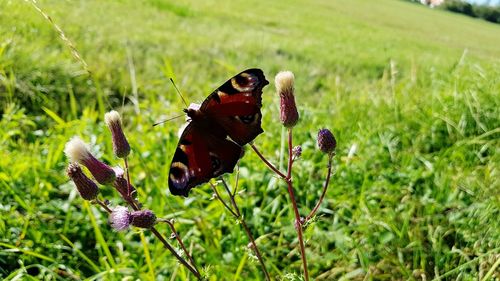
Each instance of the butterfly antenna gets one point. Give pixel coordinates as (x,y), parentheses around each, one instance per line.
(179,92)
(169,119)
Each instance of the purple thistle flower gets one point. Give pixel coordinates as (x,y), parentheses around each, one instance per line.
(120,218)
(121,147)
(85,186)
(289,116)
(77,151)
(143,218)
(326,141)
(297,151)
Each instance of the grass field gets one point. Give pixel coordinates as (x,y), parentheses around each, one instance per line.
(413,92)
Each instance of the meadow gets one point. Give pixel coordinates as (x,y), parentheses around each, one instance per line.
(411,94)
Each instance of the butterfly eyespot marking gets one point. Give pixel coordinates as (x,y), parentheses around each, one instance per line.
(179,174)
(244,82)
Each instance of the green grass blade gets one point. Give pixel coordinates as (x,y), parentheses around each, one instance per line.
(27,252)
(492,270)
(99,237)
(54,116)
(81,254)
(241,265)
(147,256)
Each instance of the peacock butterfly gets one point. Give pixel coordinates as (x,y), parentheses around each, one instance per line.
(211,144)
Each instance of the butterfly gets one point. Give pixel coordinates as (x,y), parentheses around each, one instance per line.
(212,143)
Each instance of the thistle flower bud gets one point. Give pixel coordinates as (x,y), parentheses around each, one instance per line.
(120,218)
(121,147)
(77,151)
(85,186)
(297,151)
(326,141)
(143,218)
(121,184)
(289,116)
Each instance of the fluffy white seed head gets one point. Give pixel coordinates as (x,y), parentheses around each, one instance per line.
(112,117)
(76,150)
(289,116)
(284,82)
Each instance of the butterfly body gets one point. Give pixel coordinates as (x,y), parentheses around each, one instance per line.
(211,144)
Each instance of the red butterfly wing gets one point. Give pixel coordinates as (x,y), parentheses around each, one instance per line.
(204,152)
(235,106)
(199,157)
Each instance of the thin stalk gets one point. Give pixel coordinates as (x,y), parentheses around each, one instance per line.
(103,205)
(129,189)
(247,230)
(271,166)
(178,238)
(236,181)
(134,206)
(236,213)
(290,155)
(491,271)
(233,202)
(62,35)
(172,250)
(222,201)
(325,187)
(256,249)
(298,225)
(165,243)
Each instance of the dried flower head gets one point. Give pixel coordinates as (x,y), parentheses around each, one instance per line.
(143,218)
(85,186)
(120,218)
(77,151)
(297,151)
(326,141)
(289,116)
(121,147)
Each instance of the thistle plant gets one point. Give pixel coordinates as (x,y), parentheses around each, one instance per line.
(78,152)
(121,147)
(121,218)
(86,187)
(289,117)
(235,212)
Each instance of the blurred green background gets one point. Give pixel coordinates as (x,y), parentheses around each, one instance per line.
(411,92)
